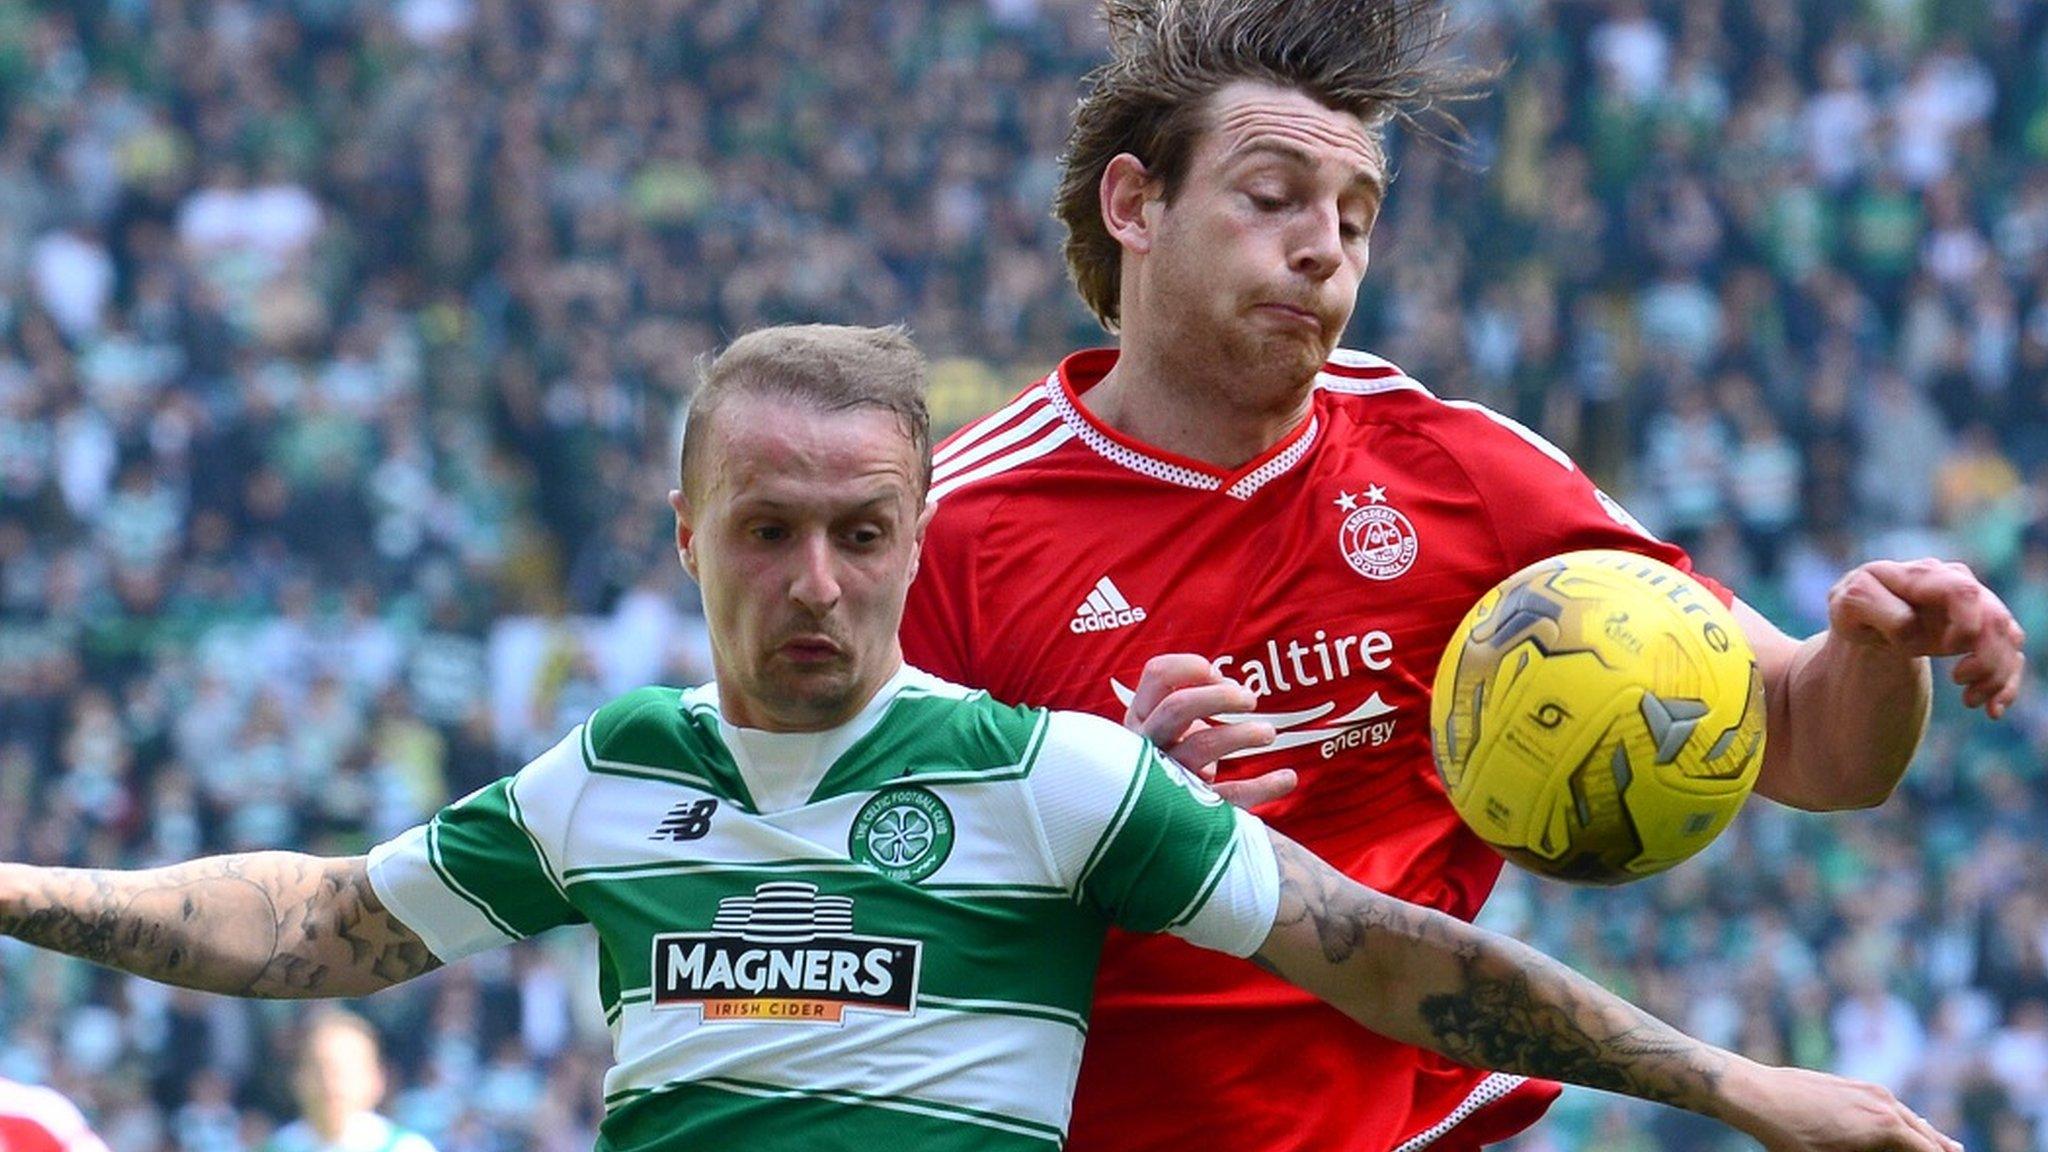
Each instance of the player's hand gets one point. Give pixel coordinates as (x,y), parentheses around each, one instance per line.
(1935,608)
(1794,1110)
(1185,706)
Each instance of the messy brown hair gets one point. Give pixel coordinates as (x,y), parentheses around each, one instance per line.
(827,367)
(1376,59)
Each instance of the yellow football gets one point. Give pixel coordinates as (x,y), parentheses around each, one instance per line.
(1598,717)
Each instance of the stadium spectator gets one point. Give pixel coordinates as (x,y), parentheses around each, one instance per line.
(339,1083)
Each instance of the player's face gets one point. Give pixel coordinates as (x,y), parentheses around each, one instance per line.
(1257,258)
(804,537)
(342,1074)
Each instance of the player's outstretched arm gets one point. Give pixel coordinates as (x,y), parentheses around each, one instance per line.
(1847,706)
(1431,980)
(277,925)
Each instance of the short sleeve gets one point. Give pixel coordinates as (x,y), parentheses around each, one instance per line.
(1148,845)
(479,874)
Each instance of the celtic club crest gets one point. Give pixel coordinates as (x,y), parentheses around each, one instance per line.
(904,833)
(1377,540)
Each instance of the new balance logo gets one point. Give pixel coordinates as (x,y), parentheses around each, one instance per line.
(686,821)
(1104,609)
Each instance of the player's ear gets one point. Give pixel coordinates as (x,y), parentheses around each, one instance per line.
(686,537)
(924,521)
(1127,191)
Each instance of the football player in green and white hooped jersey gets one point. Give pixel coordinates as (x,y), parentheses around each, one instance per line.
(842,904)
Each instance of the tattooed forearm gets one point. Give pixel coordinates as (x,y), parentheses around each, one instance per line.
(1479,998)
(1525,1012)
(268,924)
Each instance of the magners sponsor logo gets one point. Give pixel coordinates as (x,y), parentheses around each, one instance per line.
(785,955)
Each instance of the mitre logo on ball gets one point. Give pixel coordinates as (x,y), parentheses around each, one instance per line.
(1598,716)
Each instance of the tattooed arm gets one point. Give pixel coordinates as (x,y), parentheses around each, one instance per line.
(268,924)
(1434,981)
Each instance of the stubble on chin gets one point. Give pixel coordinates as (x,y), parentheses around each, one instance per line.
(1276,365)
(1229,356)
(813,697)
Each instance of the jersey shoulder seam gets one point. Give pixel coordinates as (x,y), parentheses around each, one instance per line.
(695,767)
(980,484)
(1478,490)
(1032,752)
(1349,372)
(621,714)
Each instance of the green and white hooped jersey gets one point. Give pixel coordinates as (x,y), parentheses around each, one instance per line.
(880,936)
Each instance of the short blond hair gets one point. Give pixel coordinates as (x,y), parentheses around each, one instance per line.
(829,367)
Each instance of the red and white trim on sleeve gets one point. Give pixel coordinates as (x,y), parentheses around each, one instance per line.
(1018,433)
(1362,374)
(1496,1087)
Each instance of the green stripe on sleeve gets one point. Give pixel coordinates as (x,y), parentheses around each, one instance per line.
(1201,899)
(1124,807)
(1166,852)
(456,886)
(484,854)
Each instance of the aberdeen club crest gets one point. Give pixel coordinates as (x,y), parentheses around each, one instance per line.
(1377,540)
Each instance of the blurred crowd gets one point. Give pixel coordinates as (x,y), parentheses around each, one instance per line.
(341,346)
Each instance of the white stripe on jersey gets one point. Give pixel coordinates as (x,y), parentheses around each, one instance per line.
(1004,1008)
(1347,358)
(859,1100)
(540,851)
(1398,382)
(979,1119)
(1248,895)
(1045,443)
(678,775)
(1358,358)
(975,430)
(994,444)
(448,925)
(1394,379)
(1527,435)
(1534,438)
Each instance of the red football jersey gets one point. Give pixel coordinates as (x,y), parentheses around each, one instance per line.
(1327,576)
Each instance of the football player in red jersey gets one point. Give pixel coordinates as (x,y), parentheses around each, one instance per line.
(1311,524)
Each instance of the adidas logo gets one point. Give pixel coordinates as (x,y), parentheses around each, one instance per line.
(1104,609)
